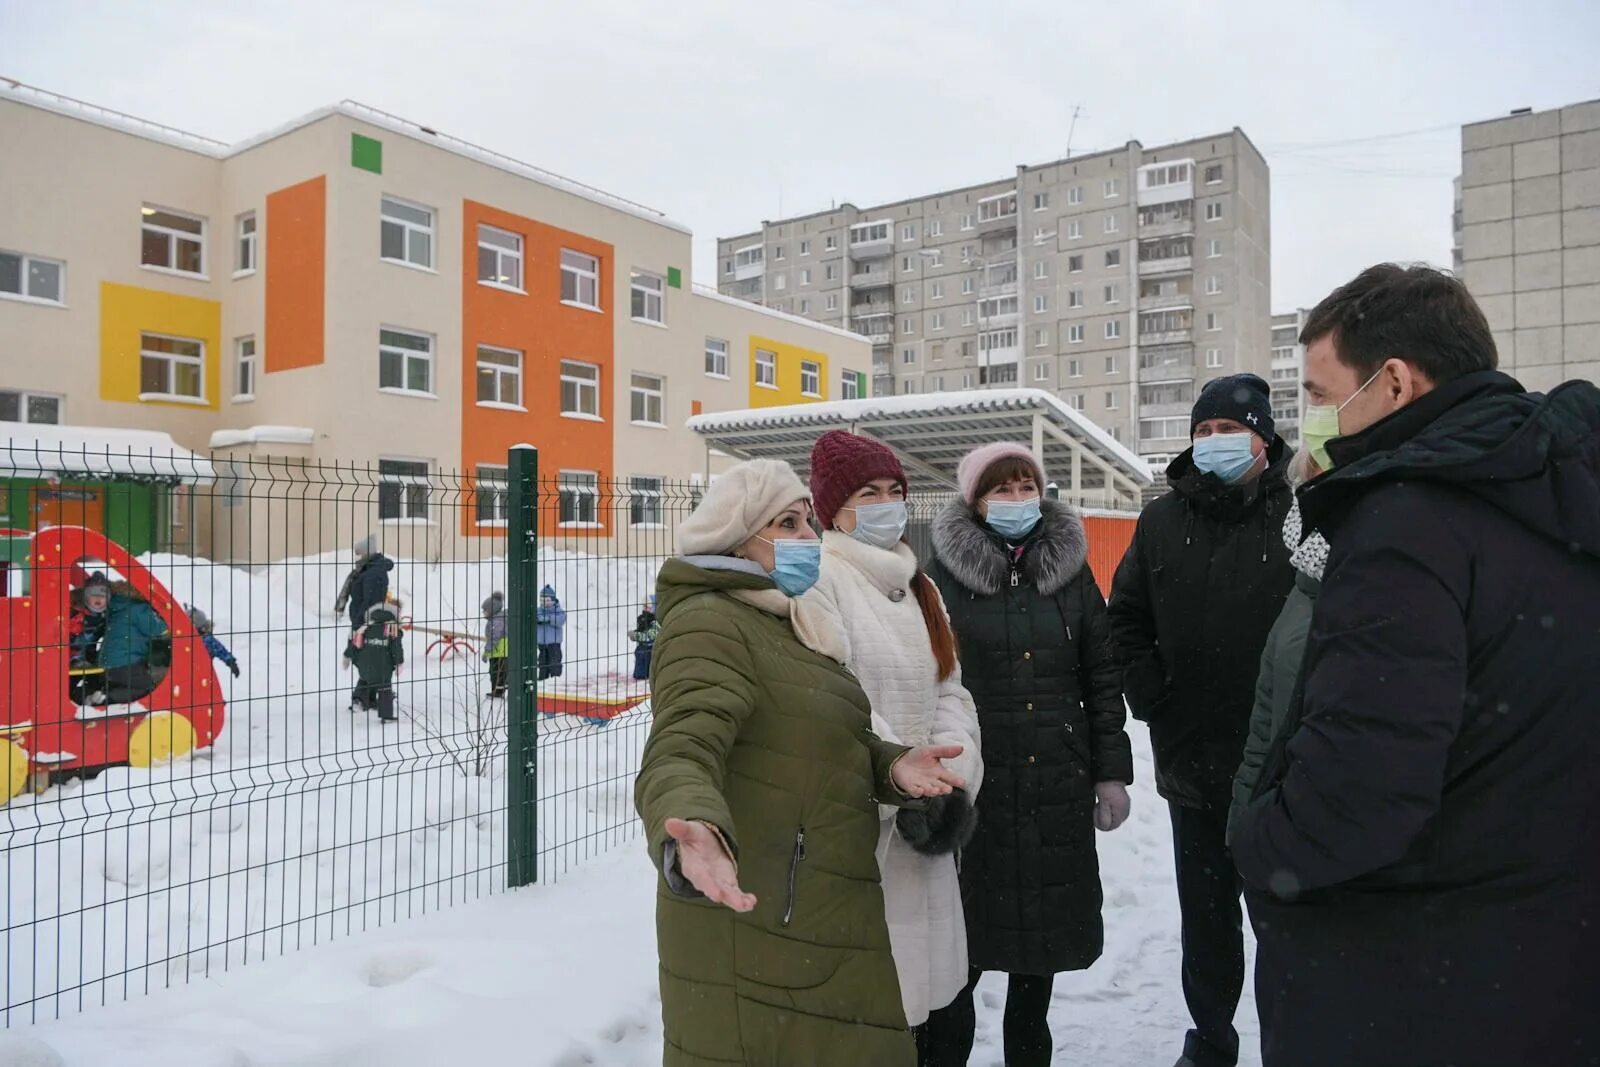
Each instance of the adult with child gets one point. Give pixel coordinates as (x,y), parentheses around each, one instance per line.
(366,584)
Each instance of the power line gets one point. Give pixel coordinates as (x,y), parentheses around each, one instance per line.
(1294,146)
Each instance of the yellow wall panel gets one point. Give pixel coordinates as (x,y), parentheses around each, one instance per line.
(126,311)
(789,360)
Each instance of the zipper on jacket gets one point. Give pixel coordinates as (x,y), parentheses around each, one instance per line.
(794,871)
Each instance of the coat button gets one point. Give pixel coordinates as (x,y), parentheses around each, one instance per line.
(897,595)
(1027,655)
(1029,707)
(1030,759)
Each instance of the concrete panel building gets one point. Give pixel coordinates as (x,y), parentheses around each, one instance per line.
(1288,363)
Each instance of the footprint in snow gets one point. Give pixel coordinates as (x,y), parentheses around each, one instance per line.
(574,1057)
(620,1030)
(393,968)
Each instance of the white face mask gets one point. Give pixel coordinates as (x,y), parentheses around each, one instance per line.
(880,525)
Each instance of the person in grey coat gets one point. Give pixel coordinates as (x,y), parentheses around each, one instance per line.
(495,642)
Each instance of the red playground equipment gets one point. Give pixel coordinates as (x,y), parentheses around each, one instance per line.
(41,729)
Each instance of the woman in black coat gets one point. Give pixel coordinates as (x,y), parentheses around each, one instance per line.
(1031,626)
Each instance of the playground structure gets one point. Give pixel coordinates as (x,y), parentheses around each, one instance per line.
(42,730)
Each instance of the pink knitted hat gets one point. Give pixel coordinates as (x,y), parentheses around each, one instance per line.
(976,463)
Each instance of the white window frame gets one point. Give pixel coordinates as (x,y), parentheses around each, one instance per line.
(25,262)
(1111,400)
(173,360)
(1112,367)
(966,221)
(584,387)
(778,252)
(1206,171)
(1113,293)
(805,275)
(966,317)
(1075,264)
(1112,188)
(1213,285)
(811,371)
(936,228)
(1041,303)
(966,381)
(832,302)
(1041,270)
(908,265)
(766,376)
(936,290)
(908,357)
(805,248)
(1041,337)
(1075,298)
(580,488)
(1214,211)
(1075,367)
(1113,258)
(1213,358)
(1041,372)
(1074,229)
(936,321)
(849,385)
(908,232)
(830,243)
(1113,329)
(1214,248)
(1075,401)
(498,496)
(172,238)
(504,255)
(409,229)
(908,326)
(716,350)
(1111,224)
(246,244)
(1075,195)
(780,282)
(908,295)
(647,388)
(406,356)
(966,286)
(647,292)
(503,374)
(1213,322)
(27,396)
(582,268)
(645,497)
(1041,201)
(246,368)
(804,306)
(413,509)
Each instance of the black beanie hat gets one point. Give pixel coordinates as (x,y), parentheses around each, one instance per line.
(1244,398)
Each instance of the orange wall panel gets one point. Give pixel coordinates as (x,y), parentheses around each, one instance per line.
(296,266)
(546,331)
(1109,538)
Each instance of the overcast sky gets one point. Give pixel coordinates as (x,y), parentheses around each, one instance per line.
(722,113)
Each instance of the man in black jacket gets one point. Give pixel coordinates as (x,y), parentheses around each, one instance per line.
(1421,850)
(1193,600)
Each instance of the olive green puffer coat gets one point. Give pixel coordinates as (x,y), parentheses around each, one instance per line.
(770,743)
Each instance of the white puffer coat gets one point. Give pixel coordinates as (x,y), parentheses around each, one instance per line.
(864,613)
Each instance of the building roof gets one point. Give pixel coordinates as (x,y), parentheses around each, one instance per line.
(761,309)
(31,451)
(931,432)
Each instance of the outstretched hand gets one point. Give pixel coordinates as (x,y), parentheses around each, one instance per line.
(707,865)
(919,773)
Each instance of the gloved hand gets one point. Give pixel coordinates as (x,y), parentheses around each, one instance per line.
(942,825)
(234,667)
(1111,805)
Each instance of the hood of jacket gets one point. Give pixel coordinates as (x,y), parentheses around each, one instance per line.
(377,561)
(1220,499)
(494,605)
(1532,456)
(381,613)
(683,577)
(979,558)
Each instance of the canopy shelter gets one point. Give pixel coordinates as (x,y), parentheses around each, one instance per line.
(94,452)
(932,431)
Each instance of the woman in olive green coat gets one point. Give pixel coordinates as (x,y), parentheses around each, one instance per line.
(759,790)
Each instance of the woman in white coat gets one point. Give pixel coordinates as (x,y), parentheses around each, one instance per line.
(874,611)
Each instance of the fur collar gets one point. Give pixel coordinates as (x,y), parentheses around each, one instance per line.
(977,557)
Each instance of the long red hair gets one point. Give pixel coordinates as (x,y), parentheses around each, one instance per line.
(940,635)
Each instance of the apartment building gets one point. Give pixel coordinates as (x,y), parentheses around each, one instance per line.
(1530,238)
(1121,281)
(354,287)
(1288,362)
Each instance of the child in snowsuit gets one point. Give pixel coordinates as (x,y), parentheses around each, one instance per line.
(214,646)
(377,650)
(552,627)
(495,644)
(644,633)
(85,628)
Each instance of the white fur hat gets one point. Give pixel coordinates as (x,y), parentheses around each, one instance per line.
(742,500)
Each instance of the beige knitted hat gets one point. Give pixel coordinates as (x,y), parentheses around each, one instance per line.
(742,500)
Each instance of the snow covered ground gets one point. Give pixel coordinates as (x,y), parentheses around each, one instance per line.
(564,976)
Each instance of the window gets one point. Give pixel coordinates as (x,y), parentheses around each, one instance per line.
(936,351)
(1113,294)
(647,399)
(644,501)
(1177,211)
(1041,337)
(805,275)
(499,376)
(1041,304)
(1213,321)
(805,307)
(727,266)
(491,496)
(1041,270)
(244,228)
(1213,248)
(966,317)
(830,243)
(908,295)
(1041,372)
(173,241)
(780,282)
(1111,363)
(1074,298)
(1075,195)
(777,251)
(580,279)
(405,361)
(998,305)
(1213,285)
(832,302)
(805,248)
(1213,174)
(936,291)
(1041,201)
(1214,211)
(1074,264)
(1113,329)
(766,369)
(810,378)
(499,258)
(244,362)
(580,389)
(996,339)
(406,233)
(649,296)
(849,386)
(1075,368)
(908,355)
(1111,224)
(1111,401)
(907,264)
(578,493)
(1213,358)
(966,222)
(1074,229)
(402,490)
(1113,187)
(908,232)
(937,321)
(32,277)
(171,367)
(1000,207)
(39,409)
(716,357)
(1172,429)
(1113,257)
(1172,174)
(999,374)
(935,258)
(935,228)
(908,387)
(1075,334)
(869,232)
(1167,393)
(1075,401)
(966,381)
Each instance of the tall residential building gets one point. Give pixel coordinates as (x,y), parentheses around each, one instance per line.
(1121,280)
(1530,238)
(409,300)
(1288,360)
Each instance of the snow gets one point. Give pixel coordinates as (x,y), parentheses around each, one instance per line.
(263,435)
(33,450)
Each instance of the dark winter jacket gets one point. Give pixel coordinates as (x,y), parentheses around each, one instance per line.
(217,650)
(85,630)
(1036,657)
(1191,605)
(494,627)
(770,743)
(132,627)
(368,584)
(378,648)
(1422,853)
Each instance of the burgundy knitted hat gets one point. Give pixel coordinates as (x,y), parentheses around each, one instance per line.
(841,463)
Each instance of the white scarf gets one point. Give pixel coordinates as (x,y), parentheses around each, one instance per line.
(1310,556)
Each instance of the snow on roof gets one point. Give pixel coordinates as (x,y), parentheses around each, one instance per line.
(711,294)
(33,450)
(263,435)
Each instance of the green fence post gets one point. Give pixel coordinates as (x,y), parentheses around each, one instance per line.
(522,697)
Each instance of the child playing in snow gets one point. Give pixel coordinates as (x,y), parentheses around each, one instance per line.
(377,652)
(214,645)
(494,644)
(645,630)
(552,627)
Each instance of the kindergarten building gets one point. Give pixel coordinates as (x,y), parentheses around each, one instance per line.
(355,288)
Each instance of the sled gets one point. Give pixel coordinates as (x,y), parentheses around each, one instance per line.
(42,731)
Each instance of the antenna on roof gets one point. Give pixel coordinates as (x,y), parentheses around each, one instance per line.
(1071,128)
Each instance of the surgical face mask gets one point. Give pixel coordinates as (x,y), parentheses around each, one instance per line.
(1014,519)
(1227,455)
(1320,424)
(796,565)
(880,525)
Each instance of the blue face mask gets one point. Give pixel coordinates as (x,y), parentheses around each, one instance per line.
(1227,455)
(1014,519)
(880,525)
(796,565)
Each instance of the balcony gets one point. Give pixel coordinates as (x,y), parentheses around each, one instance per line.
(872,279)
(1166,264)
(1163,223)
(996,213)
(749,262)
(873,238)
(879,329)
(1162,183)
(1167,336)
(1162,301)
(1156,411)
